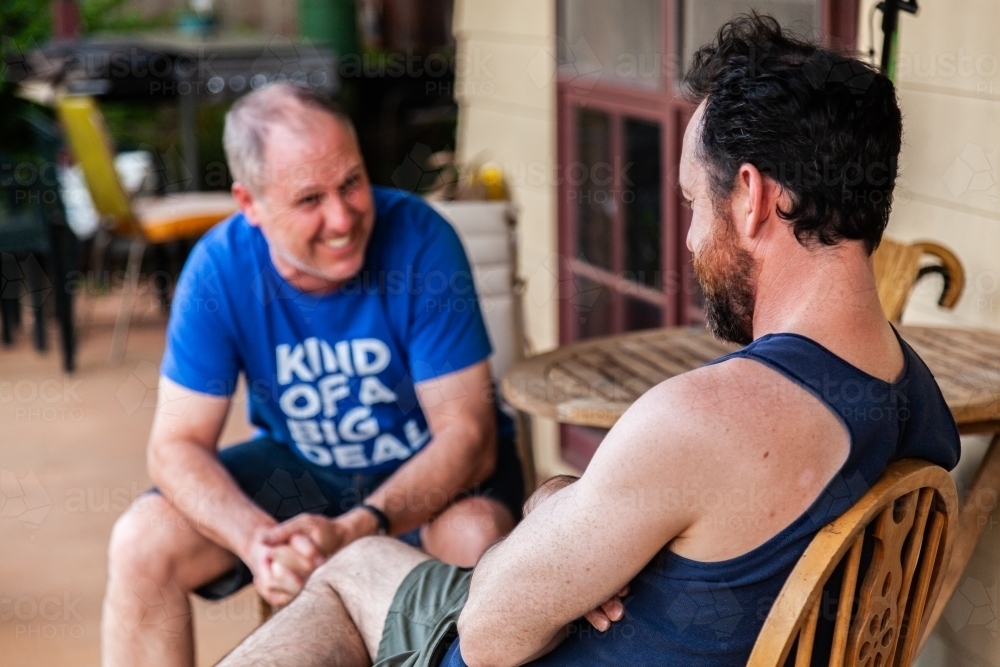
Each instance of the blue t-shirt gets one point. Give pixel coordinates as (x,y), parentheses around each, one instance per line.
(333,375)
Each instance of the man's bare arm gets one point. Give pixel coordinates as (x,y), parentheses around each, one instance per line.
(184,465)
(461,453)
(577,549)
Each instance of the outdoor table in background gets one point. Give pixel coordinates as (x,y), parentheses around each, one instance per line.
(169,65)
(593,382)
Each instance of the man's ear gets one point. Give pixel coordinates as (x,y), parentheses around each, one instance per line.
(759,199)
(247,202)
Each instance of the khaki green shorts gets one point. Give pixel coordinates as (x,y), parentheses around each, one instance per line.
(423,619)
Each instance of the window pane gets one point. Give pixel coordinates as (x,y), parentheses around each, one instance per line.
(592,199)
(592,309)
(580,443)
(642,189)
(611,42)
(701,19)
(641,314)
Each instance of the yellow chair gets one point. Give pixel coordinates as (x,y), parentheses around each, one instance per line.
(145,221)
(882,614)
(898,268)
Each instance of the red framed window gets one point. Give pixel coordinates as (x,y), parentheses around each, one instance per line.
(620,121)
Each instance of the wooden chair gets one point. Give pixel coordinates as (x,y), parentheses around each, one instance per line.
(907,521)
(144,221)
(898,268)
(486,229)
(973,518)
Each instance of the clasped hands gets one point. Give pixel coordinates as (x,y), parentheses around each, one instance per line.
(283,556)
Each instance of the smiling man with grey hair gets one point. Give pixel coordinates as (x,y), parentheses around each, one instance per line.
(367,380)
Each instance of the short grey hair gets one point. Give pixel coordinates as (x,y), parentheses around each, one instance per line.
(248,120)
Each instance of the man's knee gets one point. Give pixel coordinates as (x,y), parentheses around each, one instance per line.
(141,541)
(478,516)
(349,563)
(465,530)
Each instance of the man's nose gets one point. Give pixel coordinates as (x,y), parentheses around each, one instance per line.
(337,217)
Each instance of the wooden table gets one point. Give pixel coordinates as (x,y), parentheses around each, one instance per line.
(592,384)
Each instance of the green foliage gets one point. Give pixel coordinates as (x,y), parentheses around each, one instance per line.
(24,25)
(211,156)
(27,24)
(25,21)
(155,125)
(117,16)
(138,123)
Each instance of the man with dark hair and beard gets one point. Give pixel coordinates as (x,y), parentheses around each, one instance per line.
(672,546)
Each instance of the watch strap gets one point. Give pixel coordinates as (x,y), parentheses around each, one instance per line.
(380,518)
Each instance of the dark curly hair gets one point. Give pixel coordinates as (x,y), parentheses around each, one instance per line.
(825,126)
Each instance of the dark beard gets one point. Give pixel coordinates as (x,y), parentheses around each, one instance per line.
(727,275)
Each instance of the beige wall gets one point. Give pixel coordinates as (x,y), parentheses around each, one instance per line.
(949,89)
(505,89)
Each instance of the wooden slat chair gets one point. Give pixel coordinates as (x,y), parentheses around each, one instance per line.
(972,521)
(144,221)
(487,231)
(907,522)
(898,268)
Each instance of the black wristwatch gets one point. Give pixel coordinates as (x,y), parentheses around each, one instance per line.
(380,518)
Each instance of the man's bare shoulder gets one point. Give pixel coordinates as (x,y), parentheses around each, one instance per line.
(733,430)
(680,420)
(711,401)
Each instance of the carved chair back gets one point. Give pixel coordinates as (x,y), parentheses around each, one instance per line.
(881,563)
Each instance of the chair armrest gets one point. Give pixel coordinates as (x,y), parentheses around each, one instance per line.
(950,268)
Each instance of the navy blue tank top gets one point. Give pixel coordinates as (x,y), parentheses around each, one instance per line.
(689,613)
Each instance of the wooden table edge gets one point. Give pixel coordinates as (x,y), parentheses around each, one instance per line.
(580,411)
